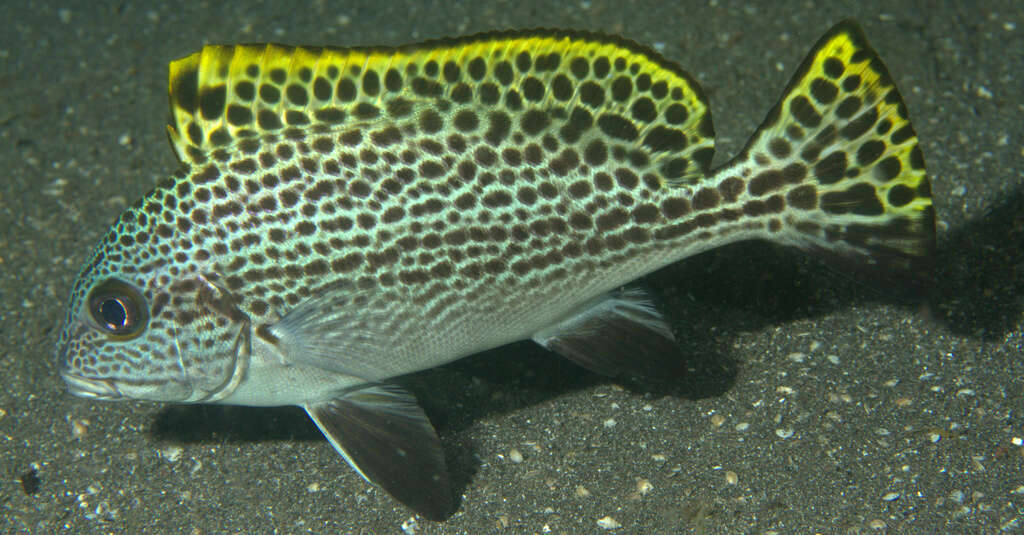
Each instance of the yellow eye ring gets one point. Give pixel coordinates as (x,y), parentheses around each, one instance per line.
(118,309)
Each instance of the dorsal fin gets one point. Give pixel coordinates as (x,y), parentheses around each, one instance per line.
(644,109)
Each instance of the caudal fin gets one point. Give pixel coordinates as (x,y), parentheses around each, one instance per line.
(839,151)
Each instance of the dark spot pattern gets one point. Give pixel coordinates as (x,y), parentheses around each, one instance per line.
(464,171)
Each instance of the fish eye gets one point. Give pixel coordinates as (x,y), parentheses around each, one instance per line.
(118,309)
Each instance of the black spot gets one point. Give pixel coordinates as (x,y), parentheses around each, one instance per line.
(431,122)
(888,168)
(804,111)
(643,110)
(627,179)
(489,93)
(675,167)
(371,83)
(346,90)
(399,107)
(523,61)
(535,121)
(765,182)
(477,69)
(295,118)
(580,121)
(851,83)
(617,127)
(211,102)
(676,114)
(859,199)
(579,67)
(860,125)
(365,110)
(497,199)
(596,153)
(485,156)
(660,90)
(533,89)
(900,195)
(833,68)
(297,95)
(185,87)
(426,88)
(848,107)
(705,198)
(675,207)
(804,197)
(503,72)
(451,71)
(869,152)
(393,81)
(643,82)
(780,148)
(268,120)
(461,94)
(622,87)
(601,67)
(466,121)
(823,91)
(247,91)
(592,94)
(831,169)
(512,100)
(239,115)
(661,139)
(500,124)
(431,169)
(902,134)
(561,87)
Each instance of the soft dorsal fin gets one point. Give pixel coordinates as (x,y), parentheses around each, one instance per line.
(581,87)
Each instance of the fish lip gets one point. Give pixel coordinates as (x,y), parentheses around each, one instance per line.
(90,388)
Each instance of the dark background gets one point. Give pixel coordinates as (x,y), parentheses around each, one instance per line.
(836,409)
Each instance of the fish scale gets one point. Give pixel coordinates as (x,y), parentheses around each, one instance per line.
(345,216)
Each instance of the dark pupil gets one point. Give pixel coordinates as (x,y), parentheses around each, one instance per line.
(114,313)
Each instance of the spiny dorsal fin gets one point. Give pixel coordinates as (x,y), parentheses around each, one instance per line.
(578,86)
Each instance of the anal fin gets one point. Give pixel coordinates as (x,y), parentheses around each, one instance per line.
(385,436)
(620,333)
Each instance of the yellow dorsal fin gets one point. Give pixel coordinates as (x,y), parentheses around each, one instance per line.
(645,109)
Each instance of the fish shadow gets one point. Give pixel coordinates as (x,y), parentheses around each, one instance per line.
(709,300)
(979,290)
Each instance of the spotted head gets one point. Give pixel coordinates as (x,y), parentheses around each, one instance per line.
(143,322)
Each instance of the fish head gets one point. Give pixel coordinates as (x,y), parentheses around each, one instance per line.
(143,327)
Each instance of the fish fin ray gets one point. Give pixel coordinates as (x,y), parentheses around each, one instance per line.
(839,160)
(342,329)
(619,333)
(592,90)
(384,435)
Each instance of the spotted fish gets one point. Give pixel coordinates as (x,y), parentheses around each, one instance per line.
(348,215)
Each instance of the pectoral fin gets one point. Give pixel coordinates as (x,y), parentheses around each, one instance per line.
(620,333)
(385,436)
(343,329)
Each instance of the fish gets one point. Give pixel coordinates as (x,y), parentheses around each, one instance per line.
(346,216)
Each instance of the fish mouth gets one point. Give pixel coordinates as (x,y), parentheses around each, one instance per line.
(90,388)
